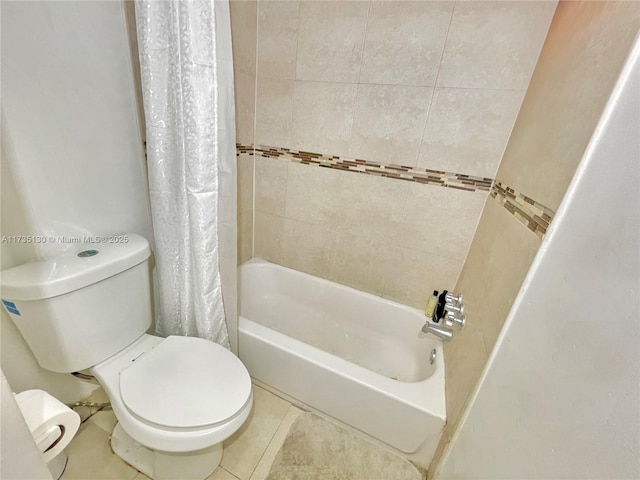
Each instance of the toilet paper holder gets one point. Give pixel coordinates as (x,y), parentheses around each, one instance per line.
(52,425)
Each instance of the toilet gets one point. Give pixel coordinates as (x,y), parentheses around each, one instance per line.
(176,399)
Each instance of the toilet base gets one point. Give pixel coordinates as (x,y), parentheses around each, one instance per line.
(159,465)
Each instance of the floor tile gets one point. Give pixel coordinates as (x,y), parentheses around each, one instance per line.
(105,419)
(97,396)
(258,441)
(262,470)
(221,474)
(91,458)
(243,450)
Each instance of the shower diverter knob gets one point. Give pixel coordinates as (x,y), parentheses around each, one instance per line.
(451,320)
(459,309)
(451,298)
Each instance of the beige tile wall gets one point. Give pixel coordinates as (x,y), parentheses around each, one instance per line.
(500,256)
(579,63)
(244,24)
(430,84)
(364,231)
(245,207)
(379,80)
(566,98)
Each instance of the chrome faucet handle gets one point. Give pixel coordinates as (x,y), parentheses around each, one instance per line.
(455,308)
(453,320)
(451,298)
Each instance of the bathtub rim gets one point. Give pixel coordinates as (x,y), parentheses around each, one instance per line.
(409,393)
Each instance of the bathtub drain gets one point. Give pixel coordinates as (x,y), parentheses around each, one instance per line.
(432,357)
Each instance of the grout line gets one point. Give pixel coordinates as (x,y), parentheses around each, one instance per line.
(444,47)
(253,206)
(295,67)
(295,77)
(255,127)
(275,432)
(400,85)
(364,40)
(424,127)
(354,110)
(435,83)
(227,471)
(286,191)
(354,104)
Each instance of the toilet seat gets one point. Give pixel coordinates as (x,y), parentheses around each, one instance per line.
(157,436)
(186,382)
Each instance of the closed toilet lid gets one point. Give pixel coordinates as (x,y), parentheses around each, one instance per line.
(186,382)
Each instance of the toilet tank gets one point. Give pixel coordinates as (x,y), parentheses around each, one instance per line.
(79,308)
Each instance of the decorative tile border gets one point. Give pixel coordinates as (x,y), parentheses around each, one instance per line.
(535,216)
(400,172)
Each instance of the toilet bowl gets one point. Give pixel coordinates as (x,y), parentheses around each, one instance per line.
(176,399)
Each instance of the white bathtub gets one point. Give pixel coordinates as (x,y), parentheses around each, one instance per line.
(353,356)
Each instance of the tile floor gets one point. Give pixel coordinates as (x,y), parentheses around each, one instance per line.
(248,454)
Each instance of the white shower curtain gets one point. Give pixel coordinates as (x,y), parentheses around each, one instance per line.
(187,83)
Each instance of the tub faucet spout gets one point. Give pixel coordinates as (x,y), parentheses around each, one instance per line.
(443,333)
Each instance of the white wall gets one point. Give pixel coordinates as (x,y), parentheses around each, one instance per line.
(18,363)
(560,395)
(70,108)
(71,148)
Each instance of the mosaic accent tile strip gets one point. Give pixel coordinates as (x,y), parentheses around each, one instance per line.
(535,216)
(400,172)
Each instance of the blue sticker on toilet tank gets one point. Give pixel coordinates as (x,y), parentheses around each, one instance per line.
(11,307)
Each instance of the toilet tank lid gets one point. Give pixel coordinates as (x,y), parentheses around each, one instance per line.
(78,267)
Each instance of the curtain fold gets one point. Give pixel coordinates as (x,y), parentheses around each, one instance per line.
(189,126)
